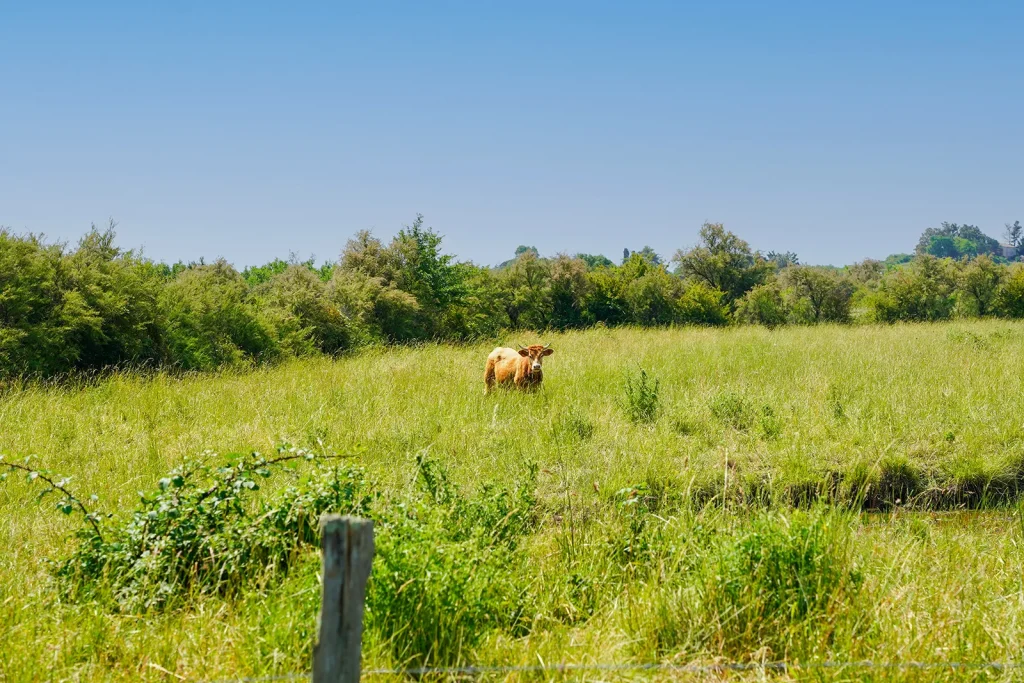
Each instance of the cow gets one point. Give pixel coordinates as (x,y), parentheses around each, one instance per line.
(521,368)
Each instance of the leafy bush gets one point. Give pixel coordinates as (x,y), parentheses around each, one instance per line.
(211,322)
(447,571)
(307,320)
(763,305)
(202,532)
(643,402)
(925,291)
(700,304)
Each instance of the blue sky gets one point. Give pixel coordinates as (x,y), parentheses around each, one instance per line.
(247,130)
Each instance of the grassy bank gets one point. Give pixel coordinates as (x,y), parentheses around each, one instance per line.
(631,543)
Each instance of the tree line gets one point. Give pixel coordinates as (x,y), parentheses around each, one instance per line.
(96,306)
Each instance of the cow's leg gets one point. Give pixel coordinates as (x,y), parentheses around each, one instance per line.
(489,376)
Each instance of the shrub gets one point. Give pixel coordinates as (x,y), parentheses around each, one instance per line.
(763,305)
(700,304)
(1009,298)
(923,291)
(642,403)
(210,321)
(297,297)
(819,295)
(201,532)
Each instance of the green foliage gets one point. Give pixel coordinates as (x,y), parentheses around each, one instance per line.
(779,571)
(572,426)
(97,307)
(979,282)
(956,241)
(723,261)
(699,304)
(763,305)
(448,570)
(924,291)
(782,259)
(1009,298)
(210,320)
(819,295)
(60,311)
(306,319)
(642,403)
(203,531)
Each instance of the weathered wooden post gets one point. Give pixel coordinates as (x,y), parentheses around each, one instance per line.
(347,552)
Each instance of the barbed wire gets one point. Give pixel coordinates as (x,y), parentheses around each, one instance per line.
(652,666)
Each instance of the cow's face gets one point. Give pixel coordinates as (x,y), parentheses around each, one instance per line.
(536,355)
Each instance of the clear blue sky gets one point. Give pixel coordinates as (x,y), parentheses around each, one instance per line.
(251,129)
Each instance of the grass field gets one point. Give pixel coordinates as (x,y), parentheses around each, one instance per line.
(640,522)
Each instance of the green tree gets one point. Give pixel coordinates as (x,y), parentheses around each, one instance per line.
(595,260)
(963,240)
(429,275)
(307,320)
(1009,300)
(825,295)
(723,261)
(211,321)
(570,289)
(782,259)
(763,305)
(979,282)
(924,291)
(526,291)
(1014,234)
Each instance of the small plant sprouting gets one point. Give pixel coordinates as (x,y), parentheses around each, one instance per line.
(643,402)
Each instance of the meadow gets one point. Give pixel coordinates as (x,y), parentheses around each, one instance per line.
(818,494)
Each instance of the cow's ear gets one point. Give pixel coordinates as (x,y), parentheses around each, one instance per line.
(525,353)
(547,352)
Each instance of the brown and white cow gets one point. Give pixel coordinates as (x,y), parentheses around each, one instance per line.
(521,368)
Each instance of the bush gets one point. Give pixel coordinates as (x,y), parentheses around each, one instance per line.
(923,292)
(307,320)
(700,304)
(1009,298)
(201,532)
(763,305)
(210,321)
(642,403)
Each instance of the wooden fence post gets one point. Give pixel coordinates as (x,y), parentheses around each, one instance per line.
(347,552)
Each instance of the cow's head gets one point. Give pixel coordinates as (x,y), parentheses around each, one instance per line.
(536,354)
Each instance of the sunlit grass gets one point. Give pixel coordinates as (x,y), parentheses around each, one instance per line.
(927,415)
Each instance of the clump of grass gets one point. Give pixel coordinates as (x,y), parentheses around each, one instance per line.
(774,581)
(642,403)
(448,569)
(572,426)
(834,401)
(769,423)
(683,426)
(733,410)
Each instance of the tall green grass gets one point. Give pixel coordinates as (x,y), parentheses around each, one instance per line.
(664,539)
